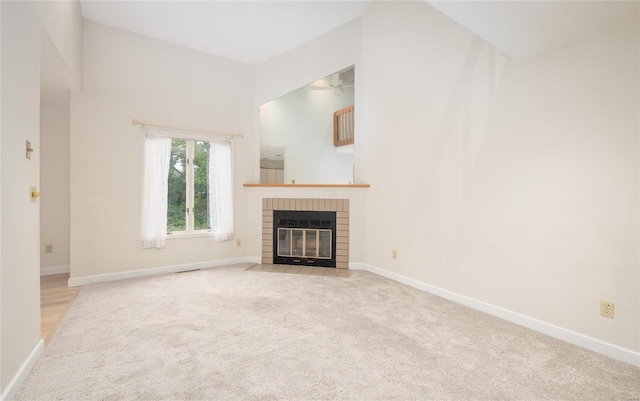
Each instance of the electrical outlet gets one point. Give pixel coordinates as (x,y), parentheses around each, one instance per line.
(238,242)
(394,254)
(48,248)
(606,309)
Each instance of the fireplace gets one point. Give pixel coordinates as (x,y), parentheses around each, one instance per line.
(304,238)
(311,237)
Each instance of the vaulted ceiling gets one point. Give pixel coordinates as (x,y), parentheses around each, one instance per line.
(247,31)
(524,29)
(254,31)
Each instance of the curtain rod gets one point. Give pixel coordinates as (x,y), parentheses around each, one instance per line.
(137,122)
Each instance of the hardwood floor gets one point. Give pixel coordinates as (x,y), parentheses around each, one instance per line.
(55,301)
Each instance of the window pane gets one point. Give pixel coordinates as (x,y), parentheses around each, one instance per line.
(177,207)
(284,241)
(296,243)
(201,185)
(310,243)
(325,244)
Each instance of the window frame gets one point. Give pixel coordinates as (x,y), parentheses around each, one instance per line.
(191,138)
(190,230)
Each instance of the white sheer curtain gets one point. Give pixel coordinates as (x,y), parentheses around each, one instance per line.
(220,191)
(153,222)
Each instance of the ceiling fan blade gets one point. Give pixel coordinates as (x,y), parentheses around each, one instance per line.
(335,80)
(347,86)
(338,91)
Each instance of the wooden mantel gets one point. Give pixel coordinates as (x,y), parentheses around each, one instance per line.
(306,185)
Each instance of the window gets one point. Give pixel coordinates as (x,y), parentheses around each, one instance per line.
(187,188)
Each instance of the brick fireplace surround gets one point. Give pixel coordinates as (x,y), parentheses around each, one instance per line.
(340,206)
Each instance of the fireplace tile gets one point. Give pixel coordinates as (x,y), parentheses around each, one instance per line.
(342,221)
(340,206)
(280,268)
(293,269)
(304,270)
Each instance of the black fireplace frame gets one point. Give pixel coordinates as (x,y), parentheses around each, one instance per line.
(303,219)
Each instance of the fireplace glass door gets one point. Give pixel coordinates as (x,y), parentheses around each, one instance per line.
(304,243)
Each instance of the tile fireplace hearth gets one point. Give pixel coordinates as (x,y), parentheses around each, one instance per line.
(305,241)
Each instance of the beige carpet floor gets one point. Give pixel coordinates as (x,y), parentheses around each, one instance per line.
(228,333)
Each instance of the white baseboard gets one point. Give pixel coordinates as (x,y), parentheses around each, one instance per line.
(572,337)
(51,270)
(21,374)
(152,271)
(254,259)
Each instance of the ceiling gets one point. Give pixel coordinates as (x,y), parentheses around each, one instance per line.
(246,31)
(254,31)
(523,29)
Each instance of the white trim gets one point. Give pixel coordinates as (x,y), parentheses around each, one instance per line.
(51,270)
(575,338)
(185,235)
(21,374)
(254,259)
(152,271)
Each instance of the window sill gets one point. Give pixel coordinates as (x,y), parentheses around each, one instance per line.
(202,234)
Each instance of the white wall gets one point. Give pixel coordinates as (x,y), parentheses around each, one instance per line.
(309,62)
(54,184)
(301,122)
(20,94)
(62,20)
(129,76)
(518,187)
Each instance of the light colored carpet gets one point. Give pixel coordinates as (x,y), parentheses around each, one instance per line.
(227,333)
